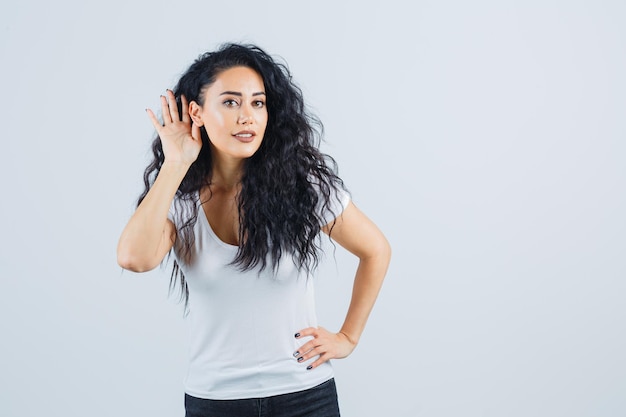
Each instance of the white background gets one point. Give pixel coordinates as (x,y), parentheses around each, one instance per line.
(485,138)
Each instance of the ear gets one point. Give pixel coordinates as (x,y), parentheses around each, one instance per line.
(194,112)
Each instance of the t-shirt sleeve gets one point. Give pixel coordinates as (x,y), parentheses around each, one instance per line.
(171,214)
(337,204)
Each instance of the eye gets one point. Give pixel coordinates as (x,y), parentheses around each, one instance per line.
(259,104)
(230,103)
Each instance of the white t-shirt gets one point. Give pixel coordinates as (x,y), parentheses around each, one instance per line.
(242,324)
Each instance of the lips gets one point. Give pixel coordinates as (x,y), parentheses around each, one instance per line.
(245,136)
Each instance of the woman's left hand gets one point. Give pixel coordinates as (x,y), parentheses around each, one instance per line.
(326,344)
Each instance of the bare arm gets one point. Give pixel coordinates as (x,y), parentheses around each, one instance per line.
(360,236)
(149,234)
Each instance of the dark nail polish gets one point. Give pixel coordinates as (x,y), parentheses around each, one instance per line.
(296,335)
(300,359)
(308,368)
(296,353)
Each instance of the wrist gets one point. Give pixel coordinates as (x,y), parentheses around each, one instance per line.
(353,340)
(175,166)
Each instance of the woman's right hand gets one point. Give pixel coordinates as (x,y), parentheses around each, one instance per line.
(180,139)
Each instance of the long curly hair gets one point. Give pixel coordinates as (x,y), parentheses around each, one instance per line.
(286,184)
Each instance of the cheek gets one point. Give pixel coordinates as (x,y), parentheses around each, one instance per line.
(214,122)
(215,117)
(263,120)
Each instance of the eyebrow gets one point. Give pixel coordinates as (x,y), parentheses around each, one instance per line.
(235,93)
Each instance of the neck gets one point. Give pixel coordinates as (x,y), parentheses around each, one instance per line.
(226,173)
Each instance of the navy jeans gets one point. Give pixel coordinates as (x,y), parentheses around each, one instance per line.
(319,401)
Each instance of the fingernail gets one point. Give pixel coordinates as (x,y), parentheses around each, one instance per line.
(308,368)
(300,359)
(296,335)
(296,353)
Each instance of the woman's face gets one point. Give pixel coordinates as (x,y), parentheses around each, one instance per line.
(234,113)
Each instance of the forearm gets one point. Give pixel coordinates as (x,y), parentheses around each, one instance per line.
(145,240)
(367,284)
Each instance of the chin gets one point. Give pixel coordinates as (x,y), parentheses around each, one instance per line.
(245,154)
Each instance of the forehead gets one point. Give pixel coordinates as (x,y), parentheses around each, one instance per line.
(239,79)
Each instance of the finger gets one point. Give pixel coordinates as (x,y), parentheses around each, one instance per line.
(303,349)
(309,331)
(171,98)
(165,111)
(319,350)
(323,358)
(308,347)
(155,122)
(311,344)
(185,106)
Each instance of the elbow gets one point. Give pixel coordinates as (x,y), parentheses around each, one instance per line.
(385,251)
(380,253)
(131,262)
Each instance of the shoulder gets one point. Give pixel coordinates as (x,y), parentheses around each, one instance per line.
(183,208)
(333,198)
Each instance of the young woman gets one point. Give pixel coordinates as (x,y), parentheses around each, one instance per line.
(239,190)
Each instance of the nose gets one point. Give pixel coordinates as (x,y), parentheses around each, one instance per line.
(245,115)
